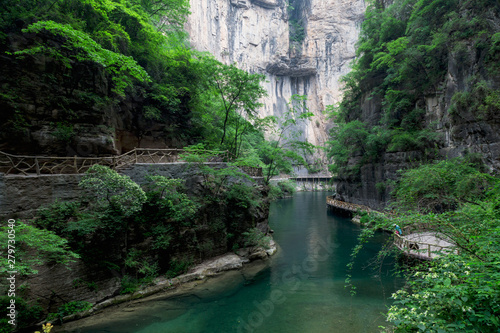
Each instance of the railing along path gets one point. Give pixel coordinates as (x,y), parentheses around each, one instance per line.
(18,164)
(346,206)
(423,243)
(417,241)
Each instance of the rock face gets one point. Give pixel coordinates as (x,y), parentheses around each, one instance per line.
(256,35)
(461,132)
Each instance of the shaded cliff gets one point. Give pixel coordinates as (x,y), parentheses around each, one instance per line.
(425,87)
(92,78)
(302,48)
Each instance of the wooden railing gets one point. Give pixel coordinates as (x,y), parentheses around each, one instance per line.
(420,249)
(251,171)
(347,206)
(18,164)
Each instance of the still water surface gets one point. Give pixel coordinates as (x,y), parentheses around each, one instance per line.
(300,289)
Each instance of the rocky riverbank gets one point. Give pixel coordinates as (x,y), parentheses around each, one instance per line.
(164,287)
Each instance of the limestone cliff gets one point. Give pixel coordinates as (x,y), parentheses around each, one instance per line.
(256,35)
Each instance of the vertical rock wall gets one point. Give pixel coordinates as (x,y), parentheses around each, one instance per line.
(255,35)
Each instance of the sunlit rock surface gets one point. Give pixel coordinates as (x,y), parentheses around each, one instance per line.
(255,35)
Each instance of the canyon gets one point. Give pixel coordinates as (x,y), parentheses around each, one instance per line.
(259,37)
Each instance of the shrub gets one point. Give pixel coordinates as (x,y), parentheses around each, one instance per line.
(255,237)
(441,186)
(242,195)
(26,313)
(105,187)
(178,266)
(288,187)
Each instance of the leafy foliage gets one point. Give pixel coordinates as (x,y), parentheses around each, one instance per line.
(98,53)
(441,186)
(80,47)
(459,291)
(237,94)
(69,309)
(26,313)
(161,227)
(255,237)
(36,247)
(105,188)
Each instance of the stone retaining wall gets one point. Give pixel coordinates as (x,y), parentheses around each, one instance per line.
(21,196)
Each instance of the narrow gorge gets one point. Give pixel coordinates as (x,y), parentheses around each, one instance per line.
(302,47)
(146,145)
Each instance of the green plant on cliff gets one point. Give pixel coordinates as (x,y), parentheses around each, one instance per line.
(234,109)
(26,313)
(255,237)
(33,247)
(404,51)
(69,309)
(441,186)
(79,47)
(95,54)
(107,188)
(168,194)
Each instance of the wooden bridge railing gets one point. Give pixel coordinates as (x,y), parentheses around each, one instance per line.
(347,206)
(421,249)
(18,164)
(411,246)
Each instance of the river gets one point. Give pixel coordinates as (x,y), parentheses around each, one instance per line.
(300,289)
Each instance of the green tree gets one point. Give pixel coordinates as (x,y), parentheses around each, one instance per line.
(105,187)
(280,152)
(33,247)
(80,47)
(239,93)
(441,186)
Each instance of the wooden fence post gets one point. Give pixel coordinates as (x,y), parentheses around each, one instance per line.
(37,166)
(74,163)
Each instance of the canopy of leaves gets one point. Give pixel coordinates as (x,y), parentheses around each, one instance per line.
(139,45)
(441,186)
(79,47)
(105,188)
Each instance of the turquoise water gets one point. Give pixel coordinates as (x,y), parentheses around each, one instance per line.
(301,289)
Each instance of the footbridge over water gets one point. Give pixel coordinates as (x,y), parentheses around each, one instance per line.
(422,243)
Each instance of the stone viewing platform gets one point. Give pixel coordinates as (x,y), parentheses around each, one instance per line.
(424,244)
